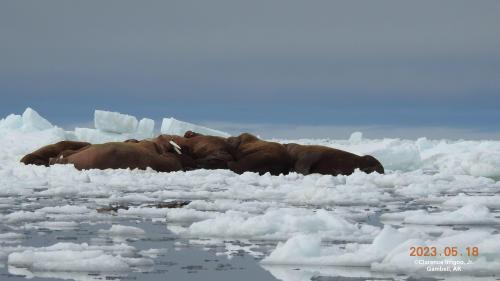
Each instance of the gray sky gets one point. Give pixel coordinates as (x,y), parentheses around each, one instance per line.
(311,64)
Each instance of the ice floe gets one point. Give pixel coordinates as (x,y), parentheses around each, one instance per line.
(69,257)
(435,192)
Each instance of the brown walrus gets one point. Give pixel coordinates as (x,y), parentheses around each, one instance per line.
(255,155)
(310,159)
(122,155)
(208,152)
(42,156)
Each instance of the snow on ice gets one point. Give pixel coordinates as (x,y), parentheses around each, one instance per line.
(435,192)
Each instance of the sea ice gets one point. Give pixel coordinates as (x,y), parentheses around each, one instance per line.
(172,126)
(356,138)
(307,249)
(430,187)
(98,136)
(124,230)
(114,122)
(487,263)
(32,121)
(11,122)
(29,121)
(463,199)
(468,214)
(279,224)
(70,257)
(145,129)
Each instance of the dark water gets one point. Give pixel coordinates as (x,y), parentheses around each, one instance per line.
(180,261)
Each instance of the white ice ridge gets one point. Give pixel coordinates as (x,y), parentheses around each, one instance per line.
(172,126)
(30,120)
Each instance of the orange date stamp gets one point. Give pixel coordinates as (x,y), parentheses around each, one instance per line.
(431,251)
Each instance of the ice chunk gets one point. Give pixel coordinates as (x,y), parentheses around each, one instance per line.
(124,230)
(173,126)
(469,214)
(307,249)
(66,209)
(32,121)
(10,238)
(278,224)
(462,200)
(12,121)
(52,225)
(97,136)
(23,216)
(145,129)
(356,137)
(114,122)
(70,135)
(399,155)
(70,257)
(389,251)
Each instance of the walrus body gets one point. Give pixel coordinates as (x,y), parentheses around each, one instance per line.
(42,156)
(240,154)
(254,155)
(208,152)
(121,155)
(310,159)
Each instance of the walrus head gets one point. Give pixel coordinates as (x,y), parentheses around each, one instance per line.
(370,164)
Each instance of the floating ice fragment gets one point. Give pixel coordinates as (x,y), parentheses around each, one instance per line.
(468,214)
(307,249)
(123,230)
(70,257)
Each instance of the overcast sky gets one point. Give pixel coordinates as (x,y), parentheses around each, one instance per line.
(403,67)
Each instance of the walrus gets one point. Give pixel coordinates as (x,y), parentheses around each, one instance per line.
(208,152)
(122,155)
(42,156)
(255,155)
(310,159)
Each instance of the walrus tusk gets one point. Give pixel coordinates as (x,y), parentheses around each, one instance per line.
(177,148)
(174,144)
